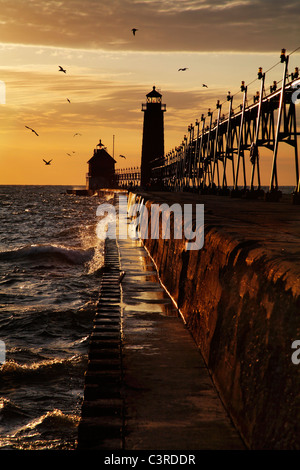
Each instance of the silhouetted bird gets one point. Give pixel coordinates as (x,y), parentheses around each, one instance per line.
(183,69)
(134,30)
(203,84)
(122,156)
(47,163)
(77,133)
(68,100)
(69,154)
(32,130)
(61,69)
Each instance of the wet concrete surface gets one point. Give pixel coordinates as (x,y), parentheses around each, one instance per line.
(147,385)
(240,298)
(170,402)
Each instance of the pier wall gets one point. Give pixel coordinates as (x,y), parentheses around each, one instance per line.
(241,304)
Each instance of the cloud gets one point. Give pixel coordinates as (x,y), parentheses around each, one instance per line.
(172,25)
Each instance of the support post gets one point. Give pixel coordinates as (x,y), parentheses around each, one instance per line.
(216,163)
(207,161)
(224,182)
(274,179)
(255,162)
(200,170)
(244,89)
(195,163)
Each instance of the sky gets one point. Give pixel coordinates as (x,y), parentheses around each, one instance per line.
(109,71)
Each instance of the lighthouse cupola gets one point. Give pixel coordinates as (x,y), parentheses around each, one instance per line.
(153,97)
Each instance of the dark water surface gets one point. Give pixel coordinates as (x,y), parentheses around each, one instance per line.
(50,259)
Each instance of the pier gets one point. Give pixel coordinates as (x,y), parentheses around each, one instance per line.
(146,385)
(192,350)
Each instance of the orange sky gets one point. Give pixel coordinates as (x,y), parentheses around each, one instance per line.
(109,72)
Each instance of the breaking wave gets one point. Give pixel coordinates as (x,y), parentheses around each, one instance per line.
(48,252)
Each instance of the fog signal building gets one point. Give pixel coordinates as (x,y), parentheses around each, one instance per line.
(101,173)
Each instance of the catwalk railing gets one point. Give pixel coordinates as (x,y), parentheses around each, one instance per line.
(212,156)
(128,177)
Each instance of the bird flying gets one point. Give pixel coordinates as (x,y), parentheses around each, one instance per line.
(77,133)
(183,69)
(134,30)
(61,69)
(47,163)
(203,84)
(122,156)
(68,100)
(69,154)
(32,130)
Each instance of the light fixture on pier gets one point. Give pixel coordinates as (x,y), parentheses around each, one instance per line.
(209,112)
(218,104)
(243,88)
(202,117)
(282,55)
(229,96)
(259,74)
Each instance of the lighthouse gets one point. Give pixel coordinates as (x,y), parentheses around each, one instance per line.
(153,135)
(101,172)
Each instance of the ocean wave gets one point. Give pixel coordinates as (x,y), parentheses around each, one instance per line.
(9,410)
(48,252)
(38,370)
(68,232)
(51,419)
(54,430)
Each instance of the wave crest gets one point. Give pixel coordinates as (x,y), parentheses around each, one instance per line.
(51,366)
(48,252)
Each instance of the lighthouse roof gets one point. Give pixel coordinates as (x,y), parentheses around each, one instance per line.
(101,154)
(154,93)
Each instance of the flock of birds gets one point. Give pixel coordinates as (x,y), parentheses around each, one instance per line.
(61,69)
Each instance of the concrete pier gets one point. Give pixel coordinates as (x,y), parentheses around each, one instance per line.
(240,296)
(146,386)
(209,367)
(170,401)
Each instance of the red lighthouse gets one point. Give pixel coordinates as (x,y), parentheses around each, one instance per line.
(153,134)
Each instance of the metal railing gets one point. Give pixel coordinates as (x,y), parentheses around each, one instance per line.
(214,150)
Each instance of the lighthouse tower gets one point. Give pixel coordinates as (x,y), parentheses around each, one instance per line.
(153,134)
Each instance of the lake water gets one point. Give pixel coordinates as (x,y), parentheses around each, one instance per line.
(50,264)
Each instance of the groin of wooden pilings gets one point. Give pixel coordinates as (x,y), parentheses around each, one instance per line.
(240,296)
(101,424)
